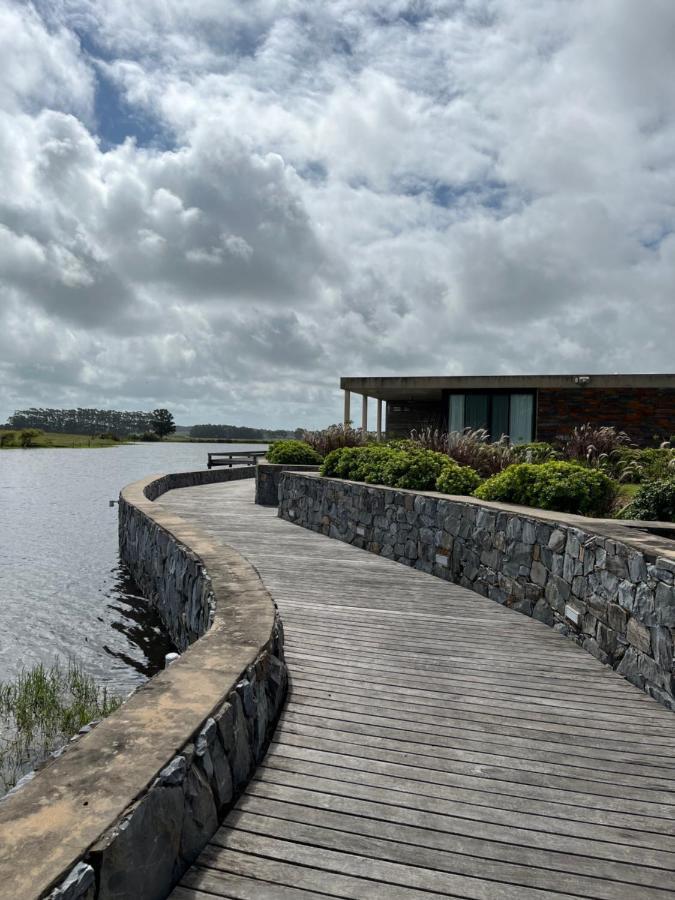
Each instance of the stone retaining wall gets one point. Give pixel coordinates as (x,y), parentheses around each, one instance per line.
(268,476)
(605,586)
(127,808)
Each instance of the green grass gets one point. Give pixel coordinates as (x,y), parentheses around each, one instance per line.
(52,439)
(41,709)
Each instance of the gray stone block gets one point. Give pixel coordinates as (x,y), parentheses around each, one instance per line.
(201,818)
(80,884)
(539,574)
(557,540)
(662,646)
(543,612)
(638,635)
(151,831)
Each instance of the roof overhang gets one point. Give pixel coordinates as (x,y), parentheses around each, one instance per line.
(431,387)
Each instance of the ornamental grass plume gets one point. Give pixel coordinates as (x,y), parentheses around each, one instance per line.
(471,447)
(334,437)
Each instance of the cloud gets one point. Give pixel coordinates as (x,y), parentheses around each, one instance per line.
(224,208)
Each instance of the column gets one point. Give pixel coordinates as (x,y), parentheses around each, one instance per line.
(348,414)
(379,420)
(364,413)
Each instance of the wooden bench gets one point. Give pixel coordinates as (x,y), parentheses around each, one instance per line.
(234,458)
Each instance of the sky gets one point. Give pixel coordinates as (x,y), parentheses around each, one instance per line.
(221,208)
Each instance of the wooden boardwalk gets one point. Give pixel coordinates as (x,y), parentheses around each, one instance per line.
(434,744)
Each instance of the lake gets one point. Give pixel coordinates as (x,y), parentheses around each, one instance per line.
(63,590)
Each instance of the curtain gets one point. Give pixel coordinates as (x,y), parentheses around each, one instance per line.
(520,424)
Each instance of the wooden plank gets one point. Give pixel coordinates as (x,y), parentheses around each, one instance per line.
(524,877)
(221,883)
(307,877)
(655,831)
(359,865)
(454,845)
(422,821)
(434,744)
(533,818)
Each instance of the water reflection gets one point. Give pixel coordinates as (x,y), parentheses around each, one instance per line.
(63,592)
(140,624)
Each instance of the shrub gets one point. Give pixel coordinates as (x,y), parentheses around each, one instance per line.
(28,435)
(364,463)
(401,464)
(561,486)
(592,445)
(108,436)
(295,452)
(412,469)
(7,438)
(150,436)
(334,437)
(456,479)
(655,501)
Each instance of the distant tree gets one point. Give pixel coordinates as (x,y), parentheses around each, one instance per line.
(162,422)
(82,421)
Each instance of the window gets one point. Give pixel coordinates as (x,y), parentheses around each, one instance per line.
(498,413)
(520,418)
(456,412)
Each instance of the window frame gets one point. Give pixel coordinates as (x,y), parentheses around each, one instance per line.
(491,392)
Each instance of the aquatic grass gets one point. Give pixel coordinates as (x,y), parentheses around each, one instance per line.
(41,708)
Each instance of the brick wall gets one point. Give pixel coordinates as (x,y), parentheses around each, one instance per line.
(640,412)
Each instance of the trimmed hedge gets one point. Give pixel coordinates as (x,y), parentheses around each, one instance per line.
(654,502)
(294,452)
(560,486)
(401,465)
(456,479)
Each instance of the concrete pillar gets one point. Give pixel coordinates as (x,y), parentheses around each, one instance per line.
(364,413)
(348,414)
(379,420)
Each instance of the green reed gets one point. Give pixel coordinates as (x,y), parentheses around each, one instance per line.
(41,709)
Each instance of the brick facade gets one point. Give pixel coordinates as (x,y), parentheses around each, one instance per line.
(647,415)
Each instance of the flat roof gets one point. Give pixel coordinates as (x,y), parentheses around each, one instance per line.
(431,387)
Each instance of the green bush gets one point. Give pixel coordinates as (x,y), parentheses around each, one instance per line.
(415,470)
(7,438)
(150,436)
(401,464)
(28,435)
(295,452)
(561,486)
(655,501)
(456,479)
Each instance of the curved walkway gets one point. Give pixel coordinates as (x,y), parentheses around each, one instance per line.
(434,743)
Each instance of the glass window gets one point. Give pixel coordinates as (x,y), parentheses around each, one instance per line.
(500,416)
(456,412)
(476,411)
(520,420)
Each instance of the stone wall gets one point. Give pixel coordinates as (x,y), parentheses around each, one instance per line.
(128,806)
(267,477)
(594,581)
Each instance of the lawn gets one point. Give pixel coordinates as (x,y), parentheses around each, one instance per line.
(52,439)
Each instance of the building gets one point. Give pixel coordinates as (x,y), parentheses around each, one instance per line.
(524,407)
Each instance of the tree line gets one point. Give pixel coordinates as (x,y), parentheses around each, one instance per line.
(242,432)
(84,421)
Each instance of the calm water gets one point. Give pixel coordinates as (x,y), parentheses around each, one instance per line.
(63,591)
